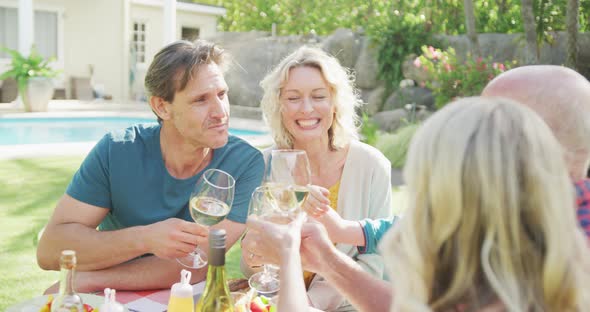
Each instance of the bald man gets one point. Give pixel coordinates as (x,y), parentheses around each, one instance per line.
(561,97)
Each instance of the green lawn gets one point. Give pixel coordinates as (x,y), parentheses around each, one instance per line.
(29,190)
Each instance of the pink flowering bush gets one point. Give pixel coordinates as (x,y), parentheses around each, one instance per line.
(451,78)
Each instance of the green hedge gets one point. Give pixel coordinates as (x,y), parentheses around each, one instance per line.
(395,145)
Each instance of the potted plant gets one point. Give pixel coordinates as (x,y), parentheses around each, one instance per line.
(33,76)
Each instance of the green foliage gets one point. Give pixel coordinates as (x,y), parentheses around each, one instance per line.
(498,16)
(550,16)
(369,130)
(451,78)
(395,145)
(297,17)
(22,68)
(396,36)
(438,16)
(396,27)
(501,16)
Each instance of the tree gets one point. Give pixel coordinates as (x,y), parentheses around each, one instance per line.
(573,8)
(530,32)
(470,26)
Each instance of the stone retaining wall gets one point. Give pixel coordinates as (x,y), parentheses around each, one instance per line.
(256,53)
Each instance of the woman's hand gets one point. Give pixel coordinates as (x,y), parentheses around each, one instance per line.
(267,242)
(317,205)
(317,202)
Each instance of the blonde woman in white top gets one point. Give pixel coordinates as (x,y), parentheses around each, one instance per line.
(310,104)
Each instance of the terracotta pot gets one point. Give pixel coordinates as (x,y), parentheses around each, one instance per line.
(39,92)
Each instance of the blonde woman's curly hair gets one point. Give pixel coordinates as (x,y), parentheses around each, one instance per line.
(345,97)
(491,216)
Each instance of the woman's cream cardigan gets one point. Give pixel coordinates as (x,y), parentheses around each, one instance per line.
(365,192)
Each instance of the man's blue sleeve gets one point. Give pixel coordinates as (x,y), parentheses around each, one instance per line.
(90,183)
(245,185)
(374,230)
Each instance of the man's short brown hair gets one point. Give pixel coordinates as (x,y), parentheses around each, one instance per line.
(174,65)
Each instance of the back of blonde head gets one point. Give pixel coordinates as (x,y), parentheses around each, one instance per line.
(486,223)
(345,98)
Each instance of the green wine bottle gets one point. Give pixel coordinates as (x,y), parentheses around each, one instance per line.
(216,297)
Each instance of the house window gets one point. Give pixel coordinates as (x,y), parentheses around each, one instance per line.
(45,31)
(138,41)
(190,33)
(8,29)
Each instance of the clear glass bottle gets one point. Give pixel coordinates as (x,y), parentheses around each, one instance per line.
(216,297)
(67,300)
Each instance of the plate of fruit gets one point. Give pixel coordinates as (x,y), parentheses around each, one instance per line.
(263,304)
(249,302)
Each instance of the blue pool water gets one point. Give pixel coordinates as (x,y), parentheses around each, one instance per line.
(15,131)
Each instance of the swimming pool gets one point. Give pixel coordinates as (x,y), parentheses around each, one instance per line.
(42,130)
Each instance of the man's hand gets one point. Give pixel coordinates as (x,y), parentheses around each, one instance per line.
(174,238)
(267,242)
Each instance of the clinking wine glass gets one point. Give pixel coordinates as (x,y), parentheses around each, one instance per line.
(209,204)
(279,201)
(273,204)
(289,168)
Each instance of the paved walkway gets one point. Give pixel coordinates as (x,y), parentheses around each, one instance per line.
(74,108)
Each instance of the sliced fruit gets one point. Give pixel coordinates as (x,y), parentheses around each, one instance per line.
(257,305)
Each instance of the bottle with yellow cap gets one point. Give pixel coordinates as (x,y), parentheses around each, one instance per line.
(181,294)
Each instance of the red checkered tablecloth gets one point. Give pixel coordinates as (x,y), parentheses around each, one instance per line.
(152,300)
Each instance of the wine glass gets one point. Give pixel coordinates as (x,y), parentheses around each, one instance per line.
(264,204)
(209,204)
(279,201)
(288,168)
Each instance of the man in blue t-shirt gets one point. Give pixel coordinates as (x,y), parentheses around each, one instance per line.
(125,211)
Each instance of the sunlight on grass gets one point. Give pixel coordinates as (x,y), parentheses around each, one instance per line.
(29,189)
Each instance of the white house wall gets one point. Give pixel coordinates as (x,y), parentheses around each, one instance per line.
(154,18)
(207,24)
(98,33)
(94,36)
(55,6)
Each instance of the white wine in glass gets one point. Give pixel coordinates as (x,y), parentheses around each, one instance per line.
(301,193)
(265,204)
(209,204)
(289,169)
(207,210)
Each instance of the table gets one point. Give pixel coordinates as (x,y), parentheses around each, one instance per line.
(152,300)
(134,301)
